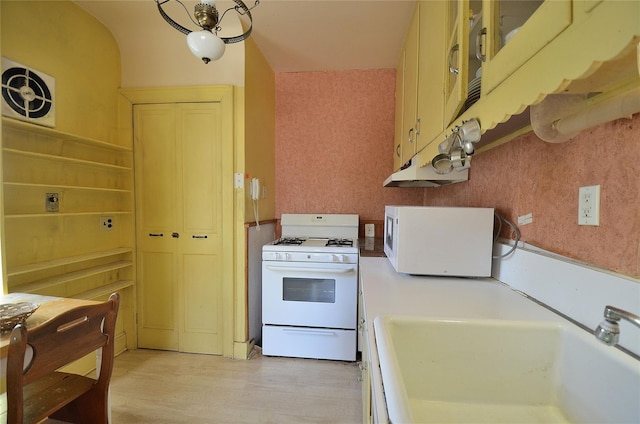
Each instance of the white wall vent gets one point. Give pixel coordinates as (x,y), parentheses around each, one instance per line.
(28,94)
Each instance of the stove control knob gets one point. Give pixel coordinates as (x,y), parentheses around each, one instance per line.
(336,258)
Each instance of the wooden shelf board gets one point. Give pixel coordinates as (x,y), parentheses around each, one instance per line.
(117,190)
(66,261)
(54,214)
(50,132)
(104,290)
(67,159)
(37,286)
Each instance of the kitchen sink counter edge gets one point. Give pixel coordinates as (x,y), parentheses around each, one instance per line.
(386,292)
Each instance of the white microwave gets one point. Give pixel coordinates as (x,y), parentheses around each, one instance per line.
(447,241)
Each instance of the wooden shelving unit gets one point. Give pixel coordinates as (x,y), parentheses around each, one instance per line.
(67,252)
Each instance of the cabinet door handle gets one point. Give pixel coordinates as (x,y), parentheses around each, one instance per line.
(398,150)
(198,236)
(480,46)
(410,135)
(156,235)
(452,52)
(175,235)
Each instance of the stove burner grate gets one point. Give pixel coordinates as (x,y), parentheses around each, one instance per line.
(289,241)
(340,242)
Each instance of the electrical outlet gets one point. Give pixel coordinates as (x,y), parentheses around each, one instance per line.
(589,205)
(369,230)
(106,223)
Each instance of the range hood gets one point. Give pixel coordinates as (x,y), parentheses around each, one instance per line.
(423,176)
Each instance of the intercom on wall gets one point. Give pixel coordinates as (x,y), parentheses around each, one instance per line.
(255,189)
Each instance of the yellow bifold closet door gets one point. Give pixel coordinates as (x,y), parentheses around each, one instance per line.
(179,164)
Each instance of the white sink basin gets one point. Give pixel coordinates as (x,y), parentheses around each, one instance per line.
(497,371)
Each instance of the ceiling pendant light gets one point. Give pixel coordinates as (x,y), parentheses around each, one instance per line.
(205,44)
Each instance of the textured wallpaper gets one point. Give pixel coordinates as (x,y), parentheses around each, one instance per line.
(334,143)
(528,175)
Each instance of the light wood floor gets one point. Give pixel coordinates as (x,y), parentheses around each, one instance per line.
(150,386)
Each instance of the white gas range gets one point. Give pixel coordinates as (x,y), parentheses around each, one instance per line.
(309,288)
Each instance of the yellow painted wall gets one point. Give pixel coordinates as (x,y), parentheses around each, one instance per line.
(62,40)
(260,132)
(255,157)
(67,253)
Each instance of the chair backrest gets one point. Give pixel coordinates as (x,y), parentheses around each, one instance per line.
(60,341)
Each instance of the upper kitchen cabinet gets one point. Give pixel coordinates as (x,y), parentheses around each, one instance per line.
(456,82)
(587,57)
(512,55)
(398,135)
(478,32)
(513,32)
(410,88)
(419,82)
(431,75)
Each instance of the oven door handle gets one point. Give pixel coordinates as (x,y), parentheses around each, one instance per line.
(314,270)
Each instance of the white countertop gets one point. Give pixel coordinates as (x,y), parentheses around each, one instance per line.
(387,292)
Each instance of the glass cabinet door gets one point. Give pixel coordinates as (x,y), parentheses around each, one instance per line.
(515,31)
(462,84)
(456,82)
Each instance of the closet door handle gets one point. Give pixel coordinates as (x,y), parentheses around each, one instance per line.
(156,235)
(175,235)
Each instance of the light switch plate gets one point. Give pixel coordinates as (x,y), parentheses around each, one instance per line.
(52,202)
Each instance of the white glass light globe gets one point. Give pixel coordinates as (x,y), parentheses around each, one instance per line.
(205,45)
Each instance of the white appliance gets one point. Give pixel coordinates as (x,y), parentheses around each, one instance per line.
(439,240)
(310,288)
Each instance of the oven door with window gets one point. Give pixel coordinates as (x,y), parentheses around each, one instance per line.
(305,294)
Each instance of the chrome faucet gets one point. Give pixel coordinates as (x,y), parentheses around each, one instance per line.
(609,331)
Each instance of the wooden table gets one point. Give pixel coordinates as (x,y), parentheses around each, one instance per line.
(50,307)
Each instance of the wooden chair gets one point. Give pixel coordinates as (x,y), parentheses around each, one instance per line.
(36,390)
